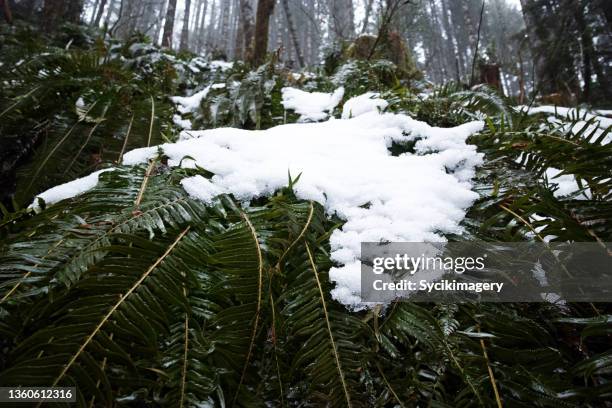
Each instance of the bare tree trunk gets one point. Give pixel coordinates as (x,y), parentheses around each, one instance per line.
(56,12)
(294,39)
(366,19)
(201,28)
(342,16)
(94,12)
(6,9)
(99,13)
(262,23)
(244,38)
(169,26)
(211,25)
(185,31)
(521,77)
(160,20)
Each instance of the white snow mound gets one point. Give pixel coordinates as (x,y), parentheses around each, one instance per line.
(367,102)
(312,106)
(347,167)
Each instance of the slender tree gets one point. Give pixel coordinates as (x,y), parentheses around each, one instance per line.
(292,32)
(184,44)
(99,13)
(169,25)
(262,24)
(6,9)
(244,37)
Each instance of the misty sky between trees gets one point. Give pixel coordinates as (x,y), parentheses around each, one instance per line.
(303,32)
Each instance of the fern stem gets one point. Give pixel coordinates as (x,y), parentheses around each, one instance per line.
(382,374)
(463,373)
(143,186)
(104,360)
(24,277)
(491,376)
(57,145)
(308,221)
(19,101)
(278,373)
(523,220)
(125,141)
(329,330)
(184,370)
(152,120)
(122,299)
(258,308)
(91,132)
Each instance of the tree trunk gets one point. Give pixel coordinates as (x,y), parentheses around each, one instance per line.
(98,17)
(201,28)
(366,19)
(211,25)
(185,31)
(244,37)
(262,23)
(342,16)
(293,34)
(6,9)
(169,25)
(490,75)
(53,11)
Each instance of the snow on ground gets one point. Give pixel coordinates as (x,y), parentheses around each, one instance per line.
(562,114)
(346,166)
(68,190)
(191,103)
(358,105)
(312,106)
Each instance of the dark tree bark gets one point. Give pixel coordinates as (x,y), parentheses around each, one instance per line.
(490,74)
(169,25)
(99,13)
(185,31)
(56,12)
(294,39)
(262,24)
(6,10)
(550,37)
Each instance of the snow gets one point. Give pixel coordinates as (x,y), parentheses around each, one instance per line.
(358,105)
(567,112)
(566,184)
(218,86)
(201,188)
(221,65)
(346,166)
(563,114)
(180,122)
(68,190)
(312,106)
(191,103)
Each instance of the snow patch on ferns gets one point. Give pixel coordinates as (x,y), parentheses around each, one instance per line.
(312,106)
(68,190)
(346,166)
